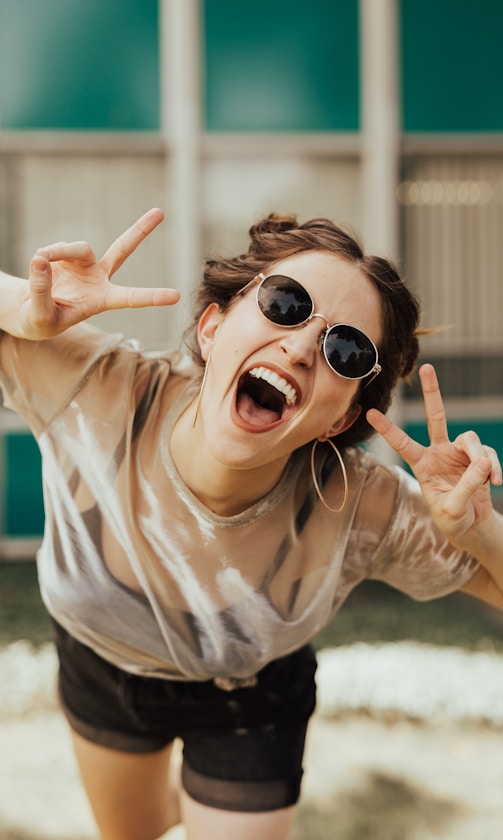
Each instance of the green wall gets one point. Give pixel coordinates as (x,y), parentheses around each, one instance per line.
(23,515)
(490,432)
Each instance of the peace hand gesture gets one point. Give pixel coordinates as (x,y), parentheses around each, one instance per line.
(454,476)
(67,284)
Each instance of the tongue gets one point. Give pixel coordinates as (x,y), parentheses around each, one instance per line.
(254,413)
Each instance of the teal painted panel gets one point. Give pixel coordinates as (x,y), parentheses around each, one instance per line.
(271,66)
(24,511)
(452,65)
(490,431)
(79,64)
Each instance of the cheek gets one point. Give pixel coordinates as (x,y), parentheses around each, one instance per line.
(244,336)
(333,390)
(235,340)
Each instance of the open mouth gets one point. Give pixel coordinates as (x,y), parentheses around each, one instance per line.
(264,398)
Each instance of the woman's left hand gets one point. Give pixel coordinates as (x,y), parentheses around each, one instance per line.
(455,477)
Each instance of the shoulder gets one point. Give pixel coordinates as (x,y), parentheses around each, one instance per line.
(39,377)
(381,489)
(98,369)
(374,475)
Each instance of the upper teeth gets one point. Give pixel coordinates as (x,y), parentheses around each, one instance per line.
(277,382)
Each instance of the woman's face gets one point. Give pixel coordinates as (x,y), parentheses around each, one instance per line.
(248,420)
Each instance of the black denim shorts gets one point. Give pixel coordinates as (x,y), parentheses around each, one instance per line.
(242,749)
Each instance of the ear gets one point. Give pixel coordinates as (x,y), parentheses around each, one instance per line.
(344,422)
(207,328)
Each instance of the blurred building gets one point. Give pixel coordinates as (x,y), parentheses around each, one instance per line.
(386,115)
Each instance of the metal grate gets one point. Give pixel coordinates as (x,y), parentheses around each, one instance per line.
(453,245)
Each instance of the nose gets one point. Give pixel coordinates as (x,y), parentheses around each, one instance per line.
(302,343)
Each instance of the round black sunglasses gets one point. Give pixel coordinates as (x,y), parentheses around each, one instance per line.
(285,302)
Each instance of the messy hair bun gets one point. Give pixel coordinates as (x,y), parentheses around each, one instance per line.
(273,223)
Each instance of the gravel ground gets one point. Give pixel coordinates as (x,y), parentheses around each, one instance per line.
(405,733)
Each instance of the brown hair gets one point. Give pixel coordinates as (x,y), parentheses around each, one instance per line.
(277,237)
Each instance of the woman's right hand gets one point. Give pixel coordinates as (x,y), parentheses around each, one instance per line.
(67,284)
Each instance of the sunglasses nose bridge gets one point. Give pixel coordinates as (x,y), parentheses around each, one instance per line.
(323,331)
(319,315)
(326,327)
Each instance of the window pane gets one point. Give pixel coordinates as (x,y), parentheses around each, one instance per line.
(85,64)
(452,65)
(281,66)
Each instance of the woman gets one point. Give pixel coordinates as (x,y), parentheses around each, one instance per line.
(199,532)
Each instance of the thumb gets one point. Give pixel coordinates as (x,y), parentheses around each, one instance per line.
(473,478)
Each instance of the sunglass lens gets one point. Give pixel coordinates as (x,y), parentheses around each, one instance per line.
(284,301)
(349,351)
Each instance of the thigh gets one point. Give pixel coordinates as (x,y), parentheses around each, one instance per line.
(99,700)
(249,769)
(205,823)
(129,794)
(254,763)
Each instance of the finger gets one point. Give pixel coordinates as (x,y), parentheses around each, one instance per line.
(47,248)
(496,471)
(123,247)
(470,443)
(405,446)
(125,297)
(40,280)
(433,405)
(473,478)
(79,251)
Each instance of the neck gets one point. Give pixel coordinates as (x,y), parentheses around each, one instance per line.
(224,490)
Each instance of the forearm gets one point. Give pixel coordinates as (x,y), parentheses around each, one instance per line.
(486,545)
(483,587)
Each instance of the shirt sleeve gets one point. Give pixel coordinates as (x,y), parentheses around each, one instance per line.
(413,555)
(38,379)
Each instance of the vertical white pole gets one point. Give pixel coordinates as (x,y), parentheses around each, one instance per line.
(181,126)
(381,124)
(380,112)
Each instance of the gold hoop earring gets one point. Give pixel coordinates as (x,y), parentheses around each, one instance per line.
(203,383)
(344,476)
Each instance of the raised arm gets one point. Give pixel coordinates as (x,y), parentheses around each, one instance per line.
(67,284)
(455,478)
